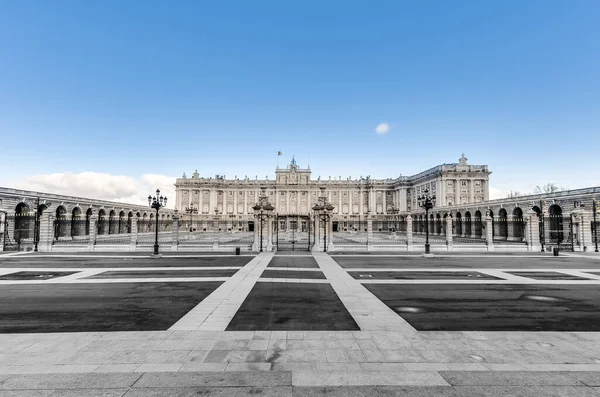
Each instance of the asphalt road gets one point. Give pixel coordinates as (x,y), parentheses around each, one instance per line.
(292,307)
(293,261)
(408,275)
(34,275)
(494,307)
(165,274)
(292,274)
(98,307)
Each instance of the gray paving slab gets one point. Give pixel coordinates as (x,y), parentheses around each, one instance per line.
(587,378)
(69,381)
(280,391)
(361,378)
(525,391)
(152,380)
(90,393)
(509,378)
(26,393)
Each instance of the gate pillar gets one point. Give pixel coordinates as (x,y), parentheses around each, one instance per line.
(409,233)
(369,231)
(582,227)
(134,232)
(449,232)
(489,237)
(269,246)
(533,231)
(46,232)
(317,244)
(93,231)
(257,226)
(175,231)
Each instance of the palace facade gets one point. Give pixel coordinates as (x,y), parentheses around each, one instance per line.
(294,192)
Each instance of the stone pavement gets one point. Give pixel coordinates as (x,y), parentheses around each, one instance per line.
(388,357)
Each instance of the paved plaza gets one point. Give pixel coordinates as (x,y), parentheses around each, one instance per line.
(301,324)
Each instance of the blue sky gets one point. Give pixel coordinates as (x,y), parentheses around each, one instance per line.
(128,88)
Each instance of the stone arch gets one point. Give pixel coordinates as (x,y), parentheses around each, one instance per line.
(24,222)
(129,221)
(478,224)
(61,222)
(88,215)
(502,224)
(122,223)
(458,227)
(102,222)
(555,223)
(468,224)
(518,224)
(113,223)
(77,223)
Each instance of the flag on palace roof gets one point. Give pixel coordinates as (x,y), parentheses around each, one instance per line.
(279,153)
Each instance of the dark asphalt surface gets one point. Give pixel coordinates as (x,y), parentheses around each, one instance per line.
(165,274)
(293,261)
(34,275)
(292,274)
(98,307)
(408,275)
(292,307)
(494,307)
(217,261)
(402,262)
(547,276)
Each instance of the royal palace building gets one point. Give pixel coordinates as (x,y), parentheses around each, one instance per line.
(294,192)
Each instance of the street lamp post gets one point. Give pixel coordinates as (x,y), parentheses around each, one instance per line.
(157,202)
(322,210)
(191,211)
(542,231)
(262,210)
(595,208)
(426,201)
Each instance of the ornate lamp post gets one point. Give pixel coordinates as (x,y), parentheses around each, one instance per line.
(595,209)
(262,210)
(322,210)
(157,202)
(191,211)
(426,201)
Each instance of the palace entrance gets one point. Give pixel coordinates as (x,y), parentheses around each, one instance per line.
(292,232)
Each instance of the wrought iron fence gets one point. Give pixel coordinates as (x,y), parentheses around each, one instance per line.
(222,232)
(557,231)
(20,232)
(352,232)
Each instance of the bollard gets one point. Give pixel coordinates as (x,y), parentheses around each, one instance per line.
(237,250)
(555,251)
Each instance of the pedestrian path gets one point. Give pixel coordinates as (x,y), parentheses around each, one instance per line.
(216,311)
(369,312)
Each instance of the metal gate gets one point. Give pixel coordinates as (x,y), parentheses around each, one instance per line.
(557,231)
(20,232)
(292,232)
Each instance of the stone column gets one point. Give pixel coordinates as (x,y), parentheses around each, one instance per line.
(409,233)
(533,231)
(175,231)
(488,232)
(369,232)
(134,233)
(318,243)
(269,245)
(46,231)
(256,243)
(510,228)
(463,227)
(330,233)
(449,232)
(93,231)
(582,226)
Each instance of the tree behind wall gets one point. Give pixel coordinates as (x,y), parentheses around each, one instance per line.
(548,188)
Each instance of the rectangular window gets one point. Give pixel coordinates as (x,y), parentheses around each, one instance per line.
(230,193)
(283,193)
(240,193)
(463,183)
(477,183)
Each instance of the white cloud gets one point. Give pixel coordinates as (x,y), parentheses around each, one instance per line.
(382,128)
(120,188)
(497,193)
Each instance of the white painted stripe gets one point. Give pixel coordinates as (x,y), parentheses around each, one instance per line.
(293,280)
(466,269)
(475,281)
(295,269)
(435,255)
(116,269)
(114,280)
(216,311)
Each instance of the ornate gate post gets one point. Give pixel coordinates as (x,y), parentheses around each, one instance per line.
(369,231)
(582,227)
(533,231)
(93,230)
(409,233)
(134,233)
(317,244)
(175,231)
(257,226)
(489,237)
(449,232)
(46,231)
(269,246)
